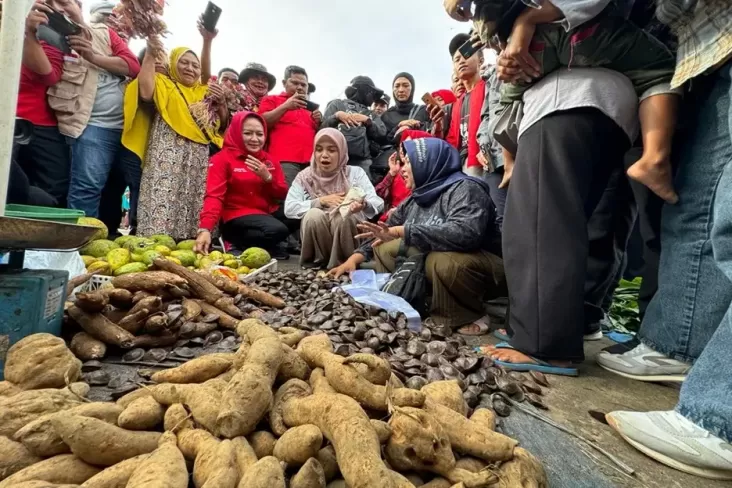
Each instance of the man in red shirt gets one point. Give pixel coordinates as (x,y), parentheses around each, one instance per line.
(45,160)
(291,126)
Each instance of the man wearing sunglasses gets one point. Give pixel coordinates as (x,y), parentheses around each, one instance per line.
(357,122)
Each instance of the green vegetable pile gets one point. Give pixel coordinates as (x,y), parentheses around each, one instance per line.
(624,313)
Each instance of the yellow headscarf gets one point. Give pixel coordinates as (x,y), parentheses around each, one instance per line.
(173,108)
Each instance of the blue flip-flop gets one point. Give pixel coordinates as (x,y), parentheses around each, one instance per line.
(501,336)
(540,366)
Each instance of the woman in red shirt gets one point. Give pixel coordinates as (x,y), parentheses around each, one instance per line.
(244,187)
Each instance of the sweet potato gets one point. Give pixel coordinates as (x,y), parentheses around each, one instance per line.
(99,327)
(471,464)
(41,361)
(383,430)
(156,324)
(311,475)
(472,438)
(177,419)
(41,484)
(262,443)
(299,444)
(293,366)
(142,414)
(119,297)
(86,348)
(201,400)
(196,370)
(248,396)
(376,369)
(66,468)
(448,394)
(192,442)
(92,302)
(291,336)
(115,476)
(125,400)
(484,416)
(150,341)
(149,281)
(152,304)
(418,443)
(25,407)
(41,438)
(266,473)
(438,483)
(225,320)
(347,427)
(101,444)
(216,468)
(7,389)
(327,459)
(165,467)
(196,282)
(319,383)
(14,456)
(236,288)
(523,470)
(245,455)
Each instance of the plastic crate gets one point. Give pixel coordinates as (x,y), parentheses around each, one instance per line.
(269,267)
(95,283)
(60,215)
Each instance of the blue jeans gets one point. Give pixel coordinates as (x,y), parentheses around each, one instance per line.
(696,266)
(92,157)
(694,289)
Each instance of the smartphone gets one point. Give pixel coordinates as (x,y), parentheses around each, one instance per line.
(58,22)
(211,16)
(468,50)
(311,106)
(428,99)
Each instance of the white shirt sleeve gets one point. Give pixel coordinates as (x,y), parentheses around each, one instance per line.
(298,202)
(374,204)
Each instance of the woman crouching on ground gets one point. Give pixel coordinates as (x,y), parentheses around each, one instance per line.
(451,218)
(330,198)
(243,188)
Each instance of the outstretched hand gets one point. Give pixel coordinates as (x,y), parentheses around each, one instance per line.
(380,232)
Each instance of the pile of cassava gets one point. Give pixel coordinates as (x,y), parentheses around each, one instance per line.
(282,411)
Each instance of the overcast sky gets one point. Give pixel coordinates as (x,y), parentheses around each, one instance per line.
(334,40)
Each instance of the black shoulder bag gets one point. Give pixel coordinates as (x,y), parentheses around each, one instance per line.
(212,148)
(409,280)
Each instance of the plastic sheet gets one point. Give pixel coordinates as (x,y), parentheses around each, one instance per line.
(365,288)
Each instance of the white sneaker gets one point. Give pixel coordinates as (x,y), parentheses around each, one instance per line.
(644,364)
(672,439)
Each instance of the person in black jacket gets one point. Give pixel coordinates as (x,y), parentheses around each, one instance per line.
(354,118)
(405,114)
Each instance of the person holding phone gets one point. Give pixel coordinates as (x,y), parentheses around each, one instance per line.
(45,159)
(244,186)
(291,126)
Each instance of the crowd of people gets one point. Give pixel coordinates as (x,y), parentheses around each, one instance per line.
(523,180)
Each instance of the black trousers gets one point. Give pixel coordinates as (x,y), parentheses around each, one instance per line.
(563,166)
(46,160)
(608,231)
(263,231)
(126,172)
(291,170)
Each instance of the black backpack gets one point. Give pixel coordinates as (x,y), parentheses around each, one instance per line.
(409,280)
(356,137)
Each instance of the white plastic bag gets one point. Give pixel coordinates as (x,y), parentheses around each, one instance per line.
(65,261)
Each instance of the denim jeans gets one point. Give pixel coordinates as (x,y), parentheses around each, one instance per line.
(92,157)
(706,396)
(694,289)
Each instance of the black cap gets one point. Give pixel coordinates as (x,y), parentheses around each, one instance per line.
(384,99)
(366,81)
(458,41)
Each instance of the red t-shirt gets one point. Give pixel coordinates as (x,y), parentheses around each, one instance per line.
(291,139)
(233,190)
(32,100)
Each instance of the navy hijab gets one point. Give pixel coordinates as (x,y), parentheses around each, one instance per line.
(436,166)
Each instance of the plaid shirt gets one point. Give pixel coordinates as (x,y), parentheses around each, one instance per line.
(704,30)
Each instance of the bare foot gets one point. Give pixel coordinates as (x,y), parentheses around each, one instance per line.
(517,357)
(655,173)
(474,329)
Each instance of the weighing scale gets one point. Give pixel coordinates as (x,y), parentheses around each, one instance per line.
(31,301)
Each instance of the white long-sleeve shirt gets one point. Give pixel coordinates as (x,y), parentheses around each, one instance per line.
(298,201)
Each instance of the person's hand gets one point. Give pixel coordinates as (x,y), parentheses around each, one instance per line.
(436,113)
(389,212)
(380,232)
(258,168)
(295,102)
(203,242)
(394,165)
(345,118)
(155,47)
(37,16)
(317,116)
(82,46)
(361,119)
(410,123)
(207,36)
(357,206)
(483,160)
(507,172)
(518,48)
(332,201)
(216,91)
(346,268)
(509,70)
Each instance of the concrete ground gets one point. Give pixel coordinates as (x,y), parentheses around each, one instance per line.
(570,400)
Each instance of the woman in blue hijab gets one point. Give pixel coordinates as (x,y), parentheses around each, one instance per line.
(449,217)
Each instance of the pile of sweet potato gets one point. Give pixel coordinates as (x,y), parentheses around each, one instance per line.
(156,309)
(282,411)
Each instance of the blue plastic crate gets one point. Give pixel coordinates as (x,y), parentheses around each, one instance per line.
(31,301)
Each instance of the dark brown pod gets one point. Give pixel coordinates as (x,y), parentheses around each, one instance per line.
(531,387)
(155,355)
(536,401)
(133,355)
(540,378)
(374,343)
(500,406)
(507,385)
(96,378)
(430,359)
(434,374)
(437,347)
(425,334)
(414,363)
(416,382)
(466,364)
(415,348)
